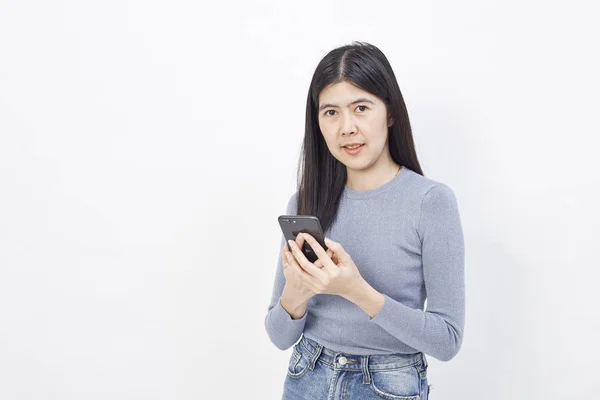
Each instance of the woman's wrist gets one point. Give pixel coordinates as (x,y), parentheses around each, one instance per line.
(367,298)
(293,303)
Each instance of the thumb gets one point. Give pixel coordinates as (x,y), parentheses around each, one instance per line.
(336,248)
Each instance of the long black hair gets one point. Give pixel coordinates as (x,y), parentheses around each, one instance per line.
(323,177)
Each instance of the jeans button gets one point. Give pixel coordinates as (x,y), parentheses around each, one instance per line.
(343,360)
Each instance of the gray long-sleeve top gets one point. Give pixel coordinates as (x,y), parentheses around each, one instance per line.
(406,239)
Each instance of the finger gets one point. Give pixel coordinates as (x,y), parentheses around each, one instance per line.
(284,261)
(301,245)
(290,262)
(293,263)
(306,265)
(299,239)
(338,250)
(319,251)
(332,256)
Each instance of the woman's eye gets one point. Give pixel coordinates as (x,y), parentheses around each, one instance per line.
(331,115)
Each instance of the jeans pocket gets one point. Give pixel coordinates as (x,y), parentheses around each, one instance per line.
(298,364)
(397,384)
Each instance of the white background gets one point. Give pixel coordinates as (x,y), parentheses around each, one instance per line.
(147,148)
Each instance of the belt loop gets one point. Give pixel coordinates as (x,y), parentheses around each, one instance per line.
(315,357)
(365,369)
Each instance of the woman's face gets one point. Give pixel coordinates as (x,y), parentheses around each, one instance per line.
(348,114)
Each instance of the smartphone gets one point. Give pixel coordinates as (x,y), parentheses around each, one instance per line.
(292,225)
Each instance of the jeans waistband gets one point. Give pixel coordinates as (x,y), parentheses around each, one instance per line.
(375,362)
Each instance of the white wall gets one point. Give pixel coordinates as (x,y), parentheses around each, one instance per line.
(147,148)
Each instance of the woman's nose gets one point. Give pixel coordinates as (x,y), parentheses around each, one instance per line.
(348,125)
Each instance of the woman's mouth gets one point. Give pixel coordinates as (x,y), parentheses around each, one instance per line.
(354,151)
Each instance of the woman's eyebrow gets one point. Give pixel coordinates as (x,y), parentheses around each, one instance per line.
(361,100)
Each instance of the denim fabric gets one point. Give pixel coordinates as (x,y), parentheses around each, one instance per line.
(317,373)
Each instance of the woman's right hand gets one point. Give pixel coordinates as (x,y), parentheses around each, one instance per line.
(293,271)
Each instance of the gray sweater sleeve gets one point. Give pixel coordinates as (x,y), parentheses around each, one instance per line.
(283,331)
(438,330)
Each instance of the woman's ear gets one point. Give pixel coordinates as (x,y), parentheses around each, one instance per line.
(390,121)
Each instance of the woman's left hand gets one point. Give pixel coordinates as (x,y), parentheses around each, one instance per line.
(339,275)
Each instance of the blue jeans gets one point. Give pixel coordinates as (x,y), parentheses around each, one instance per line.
(318,373)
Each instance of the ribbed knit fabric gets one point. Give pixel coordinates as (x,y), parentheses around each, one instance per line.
(406,239)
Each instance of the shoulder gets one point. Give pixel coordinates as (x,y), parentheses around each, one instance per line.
(433,198)
(427,189)
(438,206)
(437,196)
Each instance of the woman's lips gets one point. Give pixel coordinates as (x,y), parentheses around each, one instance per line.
(354,151)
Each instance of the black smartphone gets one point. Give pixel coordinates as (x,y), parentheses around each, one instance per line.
(292,225)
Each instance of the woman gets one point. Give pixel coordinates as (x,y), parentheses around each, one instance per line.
(394,239)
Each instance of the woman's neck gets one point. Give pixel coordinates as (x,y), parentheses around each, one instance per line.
(362,180)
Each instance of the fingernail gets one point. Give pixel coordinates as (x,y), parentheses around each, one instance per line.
(290,242)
